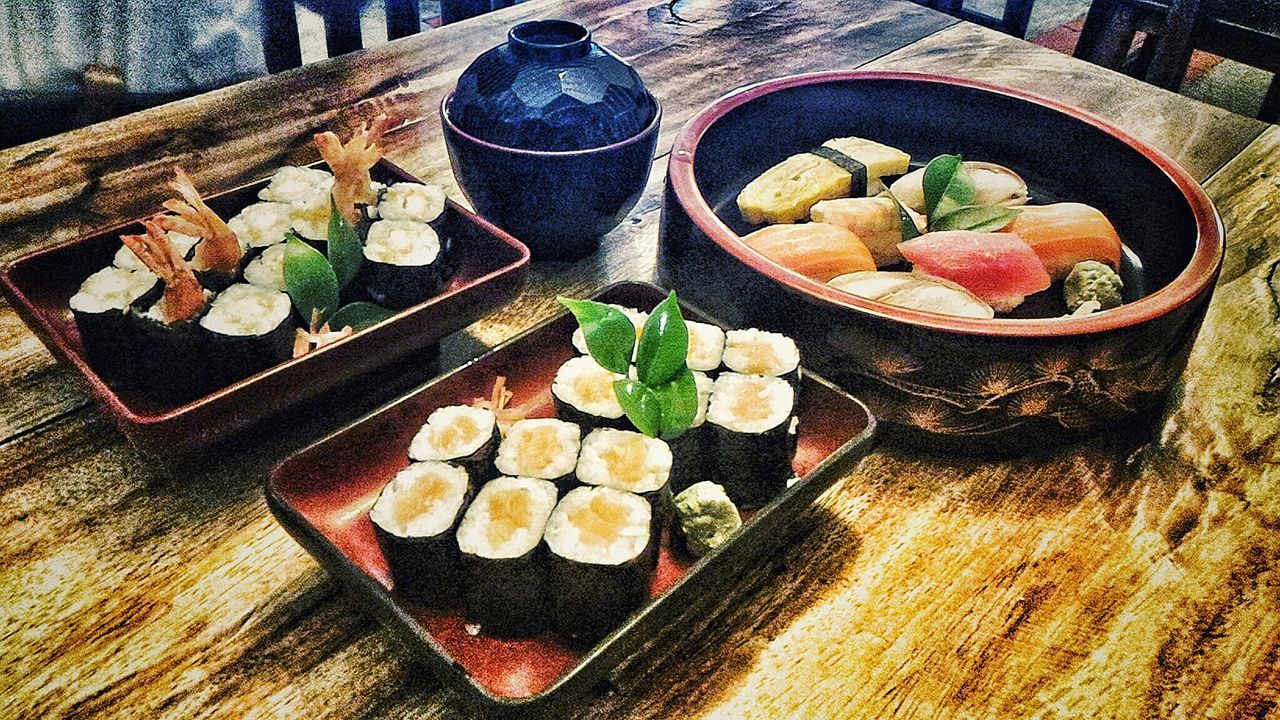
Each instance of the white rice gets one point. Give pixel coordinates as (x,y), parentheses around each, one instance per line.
(246,310)
(428,443)
(704,384)
(291,184)
(597,465)
(473,535)
(758,352)
(706,346)
(267,270)
(731,389)
(568,541)
(309,213)
(410,201)
(438,516)
(262,224)
(583,373)
(112,288)
(402,242)
(563,438)
(126,259)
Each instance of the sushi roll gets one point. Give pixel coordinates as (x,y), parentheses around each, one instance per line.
(637,317)
(409,201)
(706,346)
(583,394)
(753,436)
(414,519)
(100,310)
(306,192)
(267,270)
(463,435)
(406,262)
(219,256)
(758,352)
(691,449)
(262,224)
(185,245)
(248,329)
(542,448)
(630,461)
(500,541)
(602,554)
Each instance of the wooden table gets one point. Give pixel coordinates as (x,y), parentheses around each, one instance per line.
(1130,576)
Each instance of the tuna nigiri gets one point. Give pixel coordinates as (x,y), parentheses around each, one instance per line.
(874,220)
(1063,234)
(815,250)
(1000,268)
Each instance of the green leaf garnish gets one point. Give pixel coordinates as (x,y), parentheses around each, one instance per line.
(610,336)
(641,404)
(310,279)
(345,252)
(908,224)
(663,344)
(978,218)
(947,186)
(679,401)
(359,315)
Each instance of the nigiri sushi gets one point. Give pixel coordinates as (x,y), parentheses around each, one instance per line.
(916,291)
(995,185)
(815,250)
(874,220)
(1063,234)
(1000,268)
(785,192)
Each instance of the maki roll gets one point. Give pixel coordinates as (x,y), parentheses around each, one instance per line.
(691,449)
(583,394)
(500,540)
(637,317)
(100,310)
(542,448)
(753,436)
(758,352)
(267,270)
(185,245)
(706,346)
(602,555)
(306,193)
(461,434)
(248,329)
(262,224)
(630,461)
(406,262)
(414,520)
(410,201)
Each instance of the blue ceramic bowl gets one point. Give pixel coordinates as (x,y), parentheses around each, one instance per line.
(558,202)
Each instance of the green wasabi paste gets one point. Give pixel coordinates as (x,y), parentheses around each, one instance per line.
(1092,280)
(706,517)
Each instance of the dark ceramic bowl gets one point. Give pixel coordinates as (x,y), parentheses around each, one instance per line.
(986,385)
(558,202)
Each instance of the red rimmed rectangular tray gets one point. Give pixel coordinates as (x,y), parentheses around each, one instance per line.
(322,495)
(492,270)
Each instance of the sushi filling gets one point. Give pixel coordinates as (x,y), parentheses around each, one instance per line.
(421,501)
(112,288)
(706,346)
(127,260)
(599,525)
(244,310)
(507,518)
(452,432)
(309,213)
(587,386)
(541,448)
(637,318)
(410,201)
(402,242)
(292,184)
(750,403)
(624,460)
(757,352)
(262,224)
(267,270)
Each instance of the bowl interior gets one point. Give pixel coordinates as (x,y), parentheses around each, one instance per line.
(1062,158)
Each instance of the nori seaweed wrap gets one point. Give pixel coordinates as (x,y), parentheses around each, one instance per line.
(753,436)
(463,435)
(247,329)
(583,394)
(172,361)
(691,450)
(632,462)
(414,519)
(100,310)
(405,262)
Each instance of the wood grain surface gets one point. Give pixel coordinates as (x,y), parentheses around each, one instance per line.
(1125,577)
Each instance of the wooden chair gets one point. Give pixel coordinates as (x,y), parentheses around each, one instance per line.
(283,48)
(1247,31)
(1013,21)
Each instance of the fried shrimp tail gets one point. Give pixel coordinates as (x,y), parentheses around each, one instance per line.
(183,297)
(219,249)
(351,162)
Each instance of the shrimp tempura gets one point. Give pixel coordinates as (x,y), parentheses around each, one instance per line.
(183,297)
(219,250)
(351,163)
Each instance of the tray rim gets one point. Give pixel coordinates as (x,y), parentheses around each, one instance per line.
(57,343)
(346,572)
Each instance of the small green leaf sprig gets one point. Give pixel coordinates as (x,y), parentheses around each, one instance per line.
(949,192)
(315,282)
(662,400)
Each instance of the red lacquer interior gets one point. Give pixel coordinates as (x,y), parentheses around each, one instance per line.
(333,484)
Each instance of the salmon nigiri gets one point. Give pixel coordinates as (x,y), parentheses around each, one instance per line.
(999,268)
(815,250)
(1063,234)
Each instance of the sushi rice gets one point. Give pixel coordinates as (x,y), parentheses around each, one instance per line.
(624,460)
(759,352)
(542,448)
(706,346)
(410,201)
(587,387)
(267,270)
(402,242)
(112,288)
(293,184)
(423,500)
(262,224)
(126,260)
(455,431)
(247,310)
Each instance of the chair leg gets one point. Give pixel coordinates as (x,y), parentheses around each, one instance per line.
(1116,38)
(1095,21)
(1172,49)
(281,46)
(1017,16)
(403,18)
(1271,103)
(342,28)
